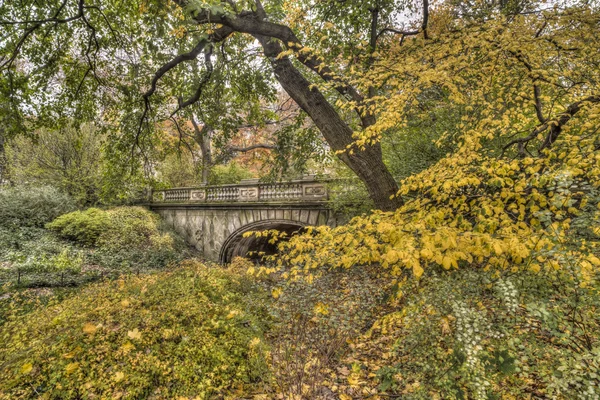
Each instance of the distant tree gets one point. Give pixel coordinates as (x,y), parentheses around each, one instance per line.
(111,56)
(68,158)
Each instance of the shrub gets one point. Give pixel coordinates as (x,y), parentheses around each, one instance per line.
(483,335)
(114,229)
(124,238)
(83,227)
(193,331)
(65,262)
(133,227)
(30,206)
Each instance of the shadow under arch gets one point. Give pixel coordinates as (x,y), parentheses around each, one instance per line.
(238,246)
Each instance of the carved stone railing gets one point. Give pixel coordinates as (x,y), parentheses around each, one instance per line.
(249,190)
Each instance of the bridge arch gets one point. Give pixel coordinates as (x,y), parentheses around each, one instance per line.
(236,245)
(213,219)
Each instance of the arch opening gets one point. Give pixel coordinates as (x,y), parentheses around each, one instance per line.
(236,245)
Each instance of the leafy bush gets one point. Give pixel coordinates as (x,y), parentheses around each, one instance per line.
(133,227)
(114,229)
(481,334)
(193,331)
(31,206)
(83,227)
(65,262)
(115,241)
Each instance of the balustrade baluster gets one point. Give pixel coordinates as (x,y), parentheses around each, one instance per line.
(232,193)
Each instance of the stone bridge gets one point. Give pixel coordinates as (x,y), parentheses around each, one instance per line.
(214,218)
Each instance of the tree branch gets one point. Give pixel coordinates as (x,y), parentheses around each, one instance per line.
(555,125)
(564,118)
(425,18)
(217,36)
(252,23)
(198,93)
(538,104)
(239,149)
(404,33)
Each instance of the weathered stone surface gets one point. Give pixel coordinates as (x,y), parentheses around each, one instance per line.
(217,229)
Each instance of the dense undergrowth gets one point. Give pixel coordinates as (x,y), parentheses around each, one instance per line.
(195,331)
(44,242)
(484,285)
(474,330)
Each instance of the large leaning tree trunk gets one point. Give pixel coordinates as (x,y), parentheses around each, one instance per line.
(367,164)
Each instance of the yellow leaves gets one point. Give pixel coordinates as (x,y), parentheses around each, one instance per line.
(284,54)
(449,262)
(347,261)
(321,308)
(125,303)
(26,368)
(328,25)
(89,328)
(426,254)
(254,342)
(497,246)
(594,260)
(417,270)
(178,32)
(391,257)
(354,380)
(127,347)
(445,325)
(118,376)
(276,292)
(134,334)
(72,367)
(232,314)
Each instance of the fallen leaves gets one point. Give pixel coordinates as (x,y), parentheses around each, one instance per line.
(135,334)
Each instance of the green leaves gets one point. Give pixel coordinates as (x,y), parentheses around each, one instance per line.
(173,338)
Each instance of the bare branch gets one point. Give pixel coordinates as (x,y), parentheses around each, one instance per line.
(246,149)
(414,32)
(554,125)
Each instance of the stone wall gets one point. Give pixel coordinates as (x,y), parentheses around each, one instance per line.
(216,229)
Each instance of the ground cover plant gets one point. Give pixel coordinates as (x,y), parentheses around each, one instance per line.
(193,332)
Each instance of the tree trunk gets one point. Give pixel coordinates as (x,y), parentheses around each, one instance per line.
(367,164)
(202,137)
(3,161)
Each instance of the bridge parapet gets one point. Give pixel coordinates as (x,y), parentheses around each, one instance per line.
(249,190)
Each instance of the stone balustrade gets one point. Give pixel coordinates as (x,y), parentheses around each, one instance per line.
(249,190)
